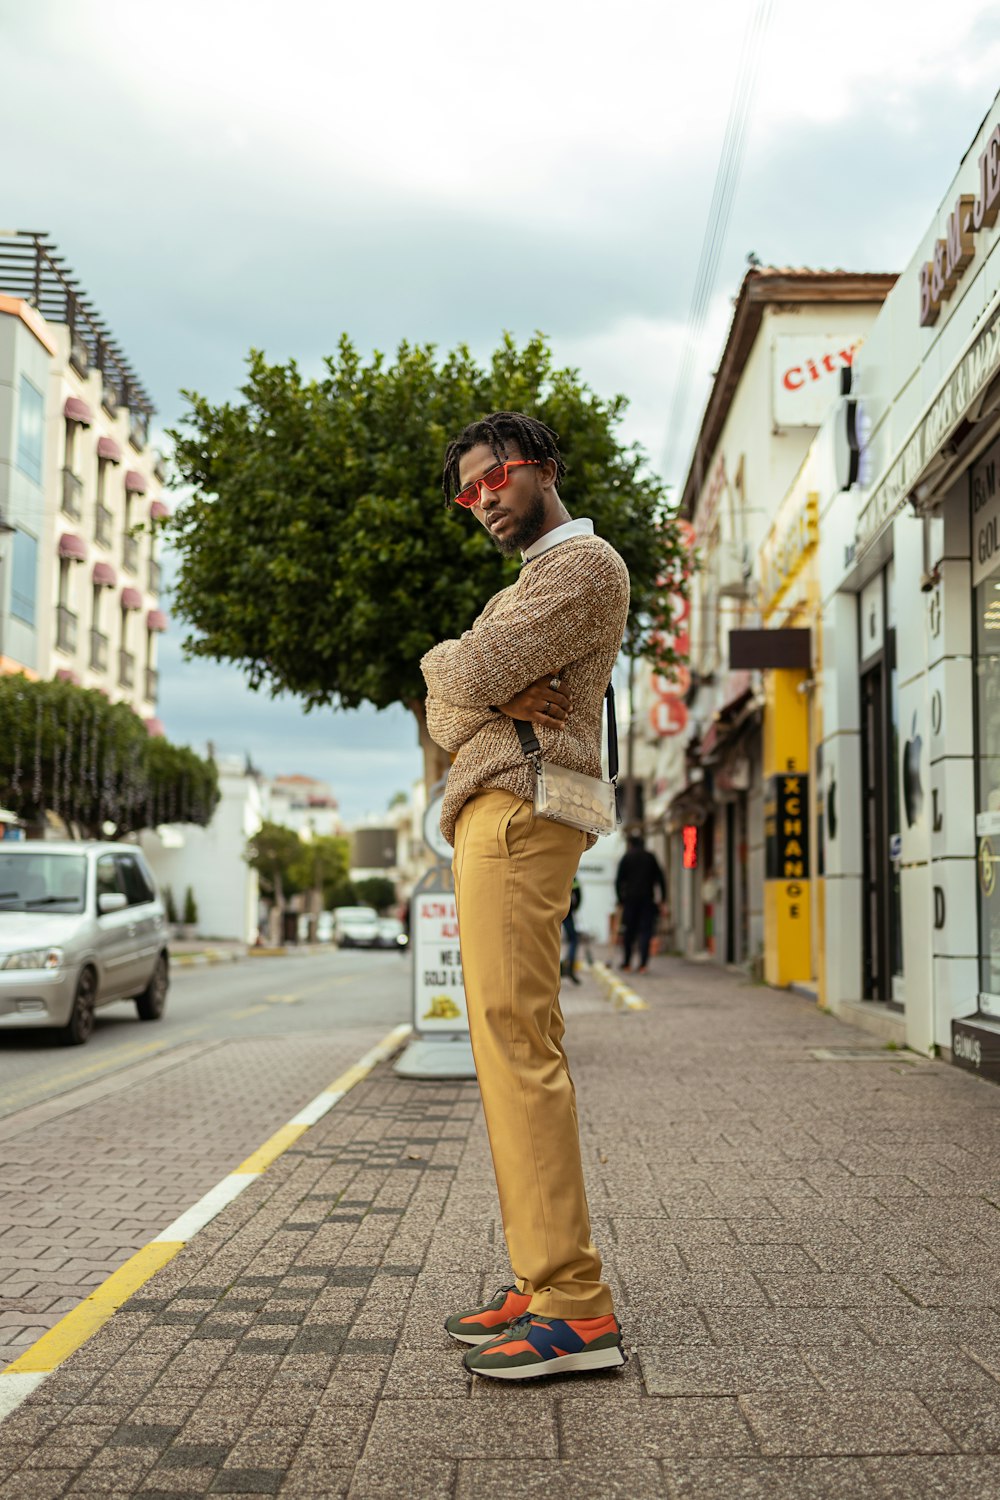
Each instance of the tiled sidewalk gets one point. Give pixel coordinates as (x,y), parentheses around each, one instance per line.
(804,1251)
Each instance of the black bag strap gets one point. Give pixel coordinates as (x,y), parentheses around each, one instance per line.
(531,747)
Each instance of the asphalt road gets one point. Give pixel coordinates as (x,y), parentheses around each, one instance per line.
(256,997)
(103,1146)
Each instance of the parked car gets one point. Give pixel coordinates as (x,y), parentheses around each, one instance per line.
(324,927)
(81,924)
(392,933)
(355,927)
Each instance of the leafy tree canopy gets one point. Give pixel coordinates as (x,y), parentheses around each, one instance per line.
(315,549)
(377,891)
(321,865)
(69,751)
(273,852)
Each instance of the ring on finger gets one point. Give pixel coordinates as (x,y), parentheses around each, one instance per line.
(547,706)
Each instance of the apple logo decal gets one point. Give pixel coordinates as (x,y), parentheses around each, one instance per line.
(831,807)
(913,792)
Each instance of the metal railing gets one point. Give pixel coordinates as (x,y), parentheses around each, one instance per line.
(152,684)
(155,577)
(102,525)
(72,491)
(66,628)
(126,669)
(98,651)
(32,269)
(130,554)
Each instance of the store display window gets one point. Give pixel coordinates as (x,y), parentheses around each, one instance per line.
(987,680)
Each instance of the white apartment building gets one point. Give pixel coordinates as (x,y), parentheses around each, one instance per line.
(303,804)
(79,582)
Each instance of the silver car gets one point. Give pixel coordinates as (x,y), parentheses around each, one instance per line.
(81,924)
(355,927)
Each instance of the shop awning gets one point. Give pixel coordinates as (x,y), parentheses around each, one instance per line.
(75,409)
(66,674)
(71,545)
(158,511)
(104,575)
(131,599)
(155,727)
(109,449)
(156,620)
(135,483)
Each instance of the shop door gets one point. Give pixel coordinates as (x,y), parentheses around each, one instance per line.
(881,928)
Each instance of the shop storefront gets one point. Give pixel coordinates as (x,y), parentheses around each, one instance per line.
(910,582)
(984,499)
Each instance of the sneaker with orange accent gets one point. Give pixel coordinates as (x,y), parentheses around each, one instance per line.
(484,1323)
(535,1346)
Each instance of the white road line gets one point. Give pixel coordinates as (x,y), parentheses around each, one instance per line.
(17,1388)
(205,1210)
(316,1109)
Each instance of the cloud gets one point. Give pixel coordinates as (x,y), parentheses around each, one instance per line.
(253,174)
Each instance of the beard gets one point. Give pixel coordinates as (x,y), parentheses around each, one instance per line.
(525,532)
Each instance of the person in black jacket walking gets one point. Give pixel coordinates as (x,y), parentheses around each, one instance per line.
(638,879)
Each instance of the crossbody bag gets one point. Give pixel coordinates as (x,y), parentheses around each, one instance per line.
(584,802)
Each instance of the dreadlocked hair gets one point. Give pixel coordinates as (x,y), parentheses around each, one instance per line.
(533,440)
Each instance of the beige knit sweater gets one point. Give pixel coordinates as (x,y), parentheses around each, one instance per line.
(565,615)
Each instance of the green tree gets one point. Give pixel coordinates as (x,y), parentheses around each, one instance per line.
(66,750)
(273,852)
(377,891)
(315,550)
(190,909)
(321,866)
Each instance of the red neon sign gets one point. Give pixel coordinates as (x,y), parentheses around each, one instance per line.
(690,836)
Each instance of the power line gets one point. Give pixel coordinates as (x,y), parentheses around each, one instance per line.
(717,225)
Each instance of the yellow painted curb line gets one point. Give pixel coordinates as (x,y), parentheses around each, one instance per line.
(261,1159)
(617,990)
(25,1373)
(94,1311)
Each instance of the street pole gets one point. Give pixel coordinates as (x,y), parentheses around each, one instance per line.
(630,799)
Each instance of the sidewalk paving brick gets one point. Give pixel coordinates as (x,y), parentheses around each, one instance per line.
(802,1253)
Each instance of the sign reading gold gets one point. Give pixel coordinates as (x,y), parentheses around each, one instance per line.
(786,549)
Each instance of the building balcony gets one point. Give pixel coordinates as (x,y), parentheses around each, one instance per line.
(66,629)
(102,525)
(155,577)
(130,554)
(98,651)
(126,669)
(79,354)
(152,684)
(72,494)
(138,429)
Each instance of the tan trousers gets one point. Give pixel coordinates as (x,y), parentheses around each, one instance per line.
(513,877)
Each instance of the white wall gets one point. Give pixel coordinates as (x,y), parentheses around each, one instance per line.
(210,861)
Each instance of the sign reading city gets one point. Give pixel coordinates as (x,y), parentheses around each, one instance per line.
(806,379)
(940,275)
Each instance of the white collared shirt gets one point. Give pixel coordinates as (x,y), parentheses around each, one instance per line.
(583,526)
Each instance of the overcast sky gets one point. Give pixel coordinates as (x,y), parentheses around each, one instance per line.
(222,175)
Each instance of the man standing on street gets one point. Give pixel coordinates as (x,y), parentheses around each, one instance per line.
(542,651)
(638,879)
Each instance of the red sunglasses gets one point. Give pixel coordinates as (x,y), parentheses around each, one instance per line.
(493,479)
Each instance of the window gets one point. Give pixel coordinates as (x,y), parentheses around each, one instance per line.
(108,883)
(138,887)
(30,430)
(24,577)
